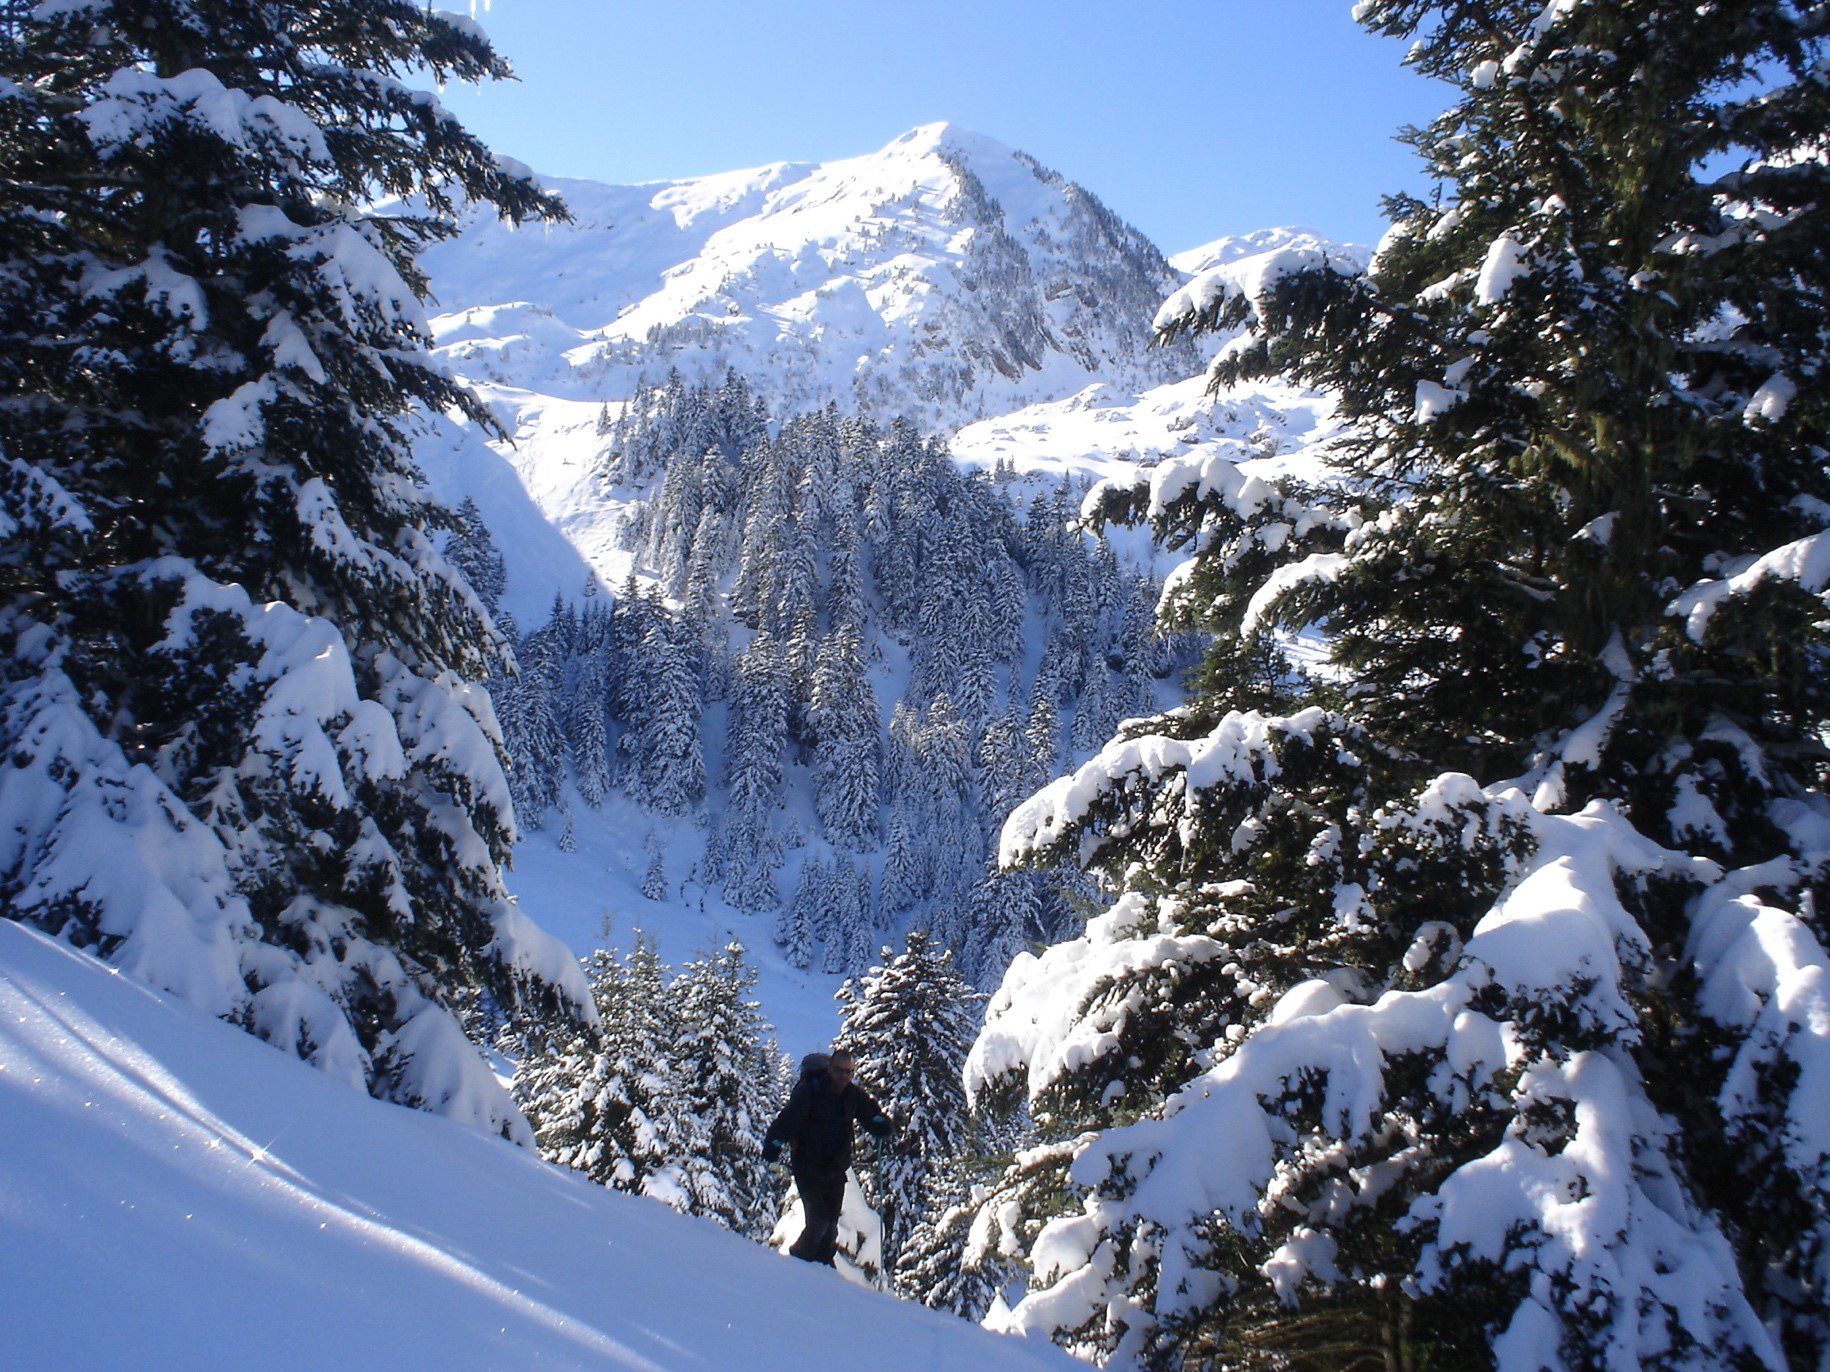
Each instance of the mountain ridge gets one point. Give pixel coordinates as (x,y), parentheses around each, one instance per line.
(944,277)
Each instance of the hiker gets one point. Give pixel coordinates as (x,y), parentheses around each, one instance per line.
(816,1124)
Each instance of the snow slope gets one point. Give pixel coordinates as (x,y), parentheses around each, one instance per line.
(571,895)
(1104,431)
(174,1193)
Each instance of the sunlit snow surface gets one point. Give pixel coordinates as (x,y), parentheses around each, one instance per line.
(571,895)
(174,1193)
(1105,432)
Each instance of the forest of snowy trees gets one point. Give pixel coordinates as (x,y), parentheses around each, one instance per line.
(798,567)
(670,1095)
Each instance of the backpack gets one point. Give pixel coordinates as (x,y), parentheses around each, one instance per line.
(815,1063)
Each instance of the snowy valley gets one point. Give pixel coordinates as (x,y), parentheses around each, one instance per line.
(617,349)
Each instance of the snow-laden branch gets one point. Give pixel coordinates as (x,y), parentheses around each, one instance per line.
(1248,280)
(1240,749)
(1548,964)
(1805,562)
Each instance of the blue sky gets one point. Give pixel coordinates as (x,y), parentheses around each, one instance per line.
(1190,118)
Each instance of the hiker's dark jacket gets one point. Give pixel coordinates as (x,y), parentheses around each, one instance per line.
(816,1124)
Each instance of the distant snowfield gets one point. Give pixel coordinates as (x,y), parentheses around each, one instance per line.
(175,1193)
(1103,432)
(1246,252)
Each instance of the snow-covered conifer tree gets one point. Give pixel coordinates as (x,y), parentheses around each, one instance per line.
(795,926)
(765,526)
(911,1023)
(245,754)
(608,1104)
(903,880)
(1006,920)
(845,603)
(845,922)
(673,517)
(946,591)
(1042,727)
(758,736)
(525,725)
(845,722)
(1094,718)
(534,738)
(862,943)
(654,876)
(586,693)
(671,761)
(797,585)
(938,1265)
(1463,1012)
(1002,767)
(724,1058)
(474,553)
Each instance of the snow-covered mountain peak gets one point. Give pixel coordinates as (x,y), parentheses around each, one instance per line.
(943,135)
(944,276)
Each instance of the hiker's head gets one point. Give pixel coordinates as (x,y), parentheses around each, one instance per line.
(842,1067)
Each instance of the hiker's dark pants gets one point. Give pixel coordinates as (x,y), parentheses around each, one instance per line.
(822,1198)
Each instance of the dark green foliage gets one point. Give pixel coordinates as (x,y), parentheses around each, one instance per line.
(1574,543)
(211,356)
(1596,437)
(910,1022)
(220,250)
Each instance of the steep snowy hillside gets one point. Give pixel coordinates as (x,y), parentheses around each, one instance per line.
(1093,434)
(175,1193)
(1276,427)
